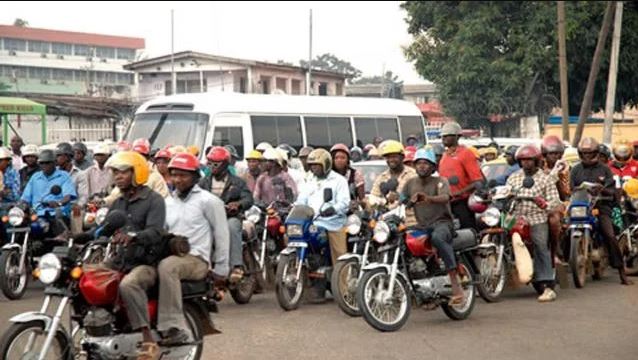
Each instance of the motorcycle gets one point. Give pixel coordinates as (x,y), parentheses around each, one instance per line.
(628,235)
(98,325)
(272,239)
(411,271)
(587,253)
(306,255)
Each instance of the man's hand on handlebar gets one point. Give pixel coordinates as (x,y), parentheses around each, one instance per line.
(121,238)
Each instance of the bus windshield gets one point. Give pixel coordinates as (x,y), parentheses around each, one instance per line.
(169,128)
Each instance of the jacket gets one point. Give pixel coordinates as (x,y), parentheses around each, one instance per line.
(235,190)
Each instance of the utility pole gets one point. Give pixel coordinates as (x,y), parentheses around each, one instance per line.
(562,61)
(613,74)
(585,107)
(309,73)
(173,77)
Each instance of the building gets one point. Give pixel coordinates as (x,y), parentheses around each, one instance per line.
(199,72)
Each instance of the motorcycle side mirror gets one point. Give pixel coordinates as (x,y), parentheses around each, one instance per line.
(56,190)
(327,195)
(529,182)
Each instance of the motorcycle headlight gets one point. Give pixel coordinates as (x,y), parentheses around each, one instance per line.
(381,232)
(578,212)
(491,217)
(253,215)
(16,216)
(101,215)
(353,224)
(50,268)
(294,230)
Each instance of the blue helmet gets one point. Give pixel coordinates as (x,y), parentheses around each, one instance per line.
(425,154)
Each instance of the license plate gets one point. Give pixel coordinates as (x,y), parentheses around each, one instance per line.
(297,244)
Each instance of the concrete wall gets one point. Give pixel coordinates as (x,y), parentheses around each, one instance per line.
(619,131)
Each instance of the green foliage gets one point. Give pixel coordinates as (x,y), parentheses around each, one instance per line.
(329,62)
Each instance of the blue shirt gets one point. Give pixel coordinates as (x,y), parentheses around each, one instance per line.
(312,195)
(38,190)
(11,182)
(502,180)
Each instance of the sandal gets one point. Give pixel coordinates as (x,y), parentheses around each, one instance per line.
(149,351)
(456,300)
(236,275)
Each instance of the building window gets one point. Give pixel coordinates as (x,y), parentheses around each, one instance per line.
(62,74)
(125,54)
(229,135)
(184,86)
(327,131)
(79,75)
(277,130)
(323,89)
(82,50)
(339,89)
(296,87)
(265,84)
(61,48)
(39,46)
(124,79)
(369,128)
(39,73)
(242,85)
(105,52)
(281,84)
(15,44)
(19,72)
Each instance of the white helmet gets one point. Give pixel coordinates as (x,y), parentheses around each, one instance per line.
(102,149)
(283,153)
(5,153)
(30,150)
(263,146)
(272,154)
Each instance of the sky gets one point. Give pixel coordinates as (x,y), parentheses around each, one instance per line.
(367,34)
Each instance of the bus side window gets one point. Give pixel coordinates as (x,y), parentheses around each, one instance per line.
(277,130)
(369,127)
(326,131)
(229,135)
(412,125)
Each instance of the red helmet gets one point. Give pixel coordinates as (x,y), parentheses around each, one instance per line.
(552,144)
(528,151)
(409,154)
(184,161)
(123,145)
(340,147)
(476,204)
(218,154)
(142,146)
(163,154)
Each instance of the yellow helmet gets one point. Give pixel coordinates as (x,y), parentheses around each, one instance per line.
(490,150)
(571,155)
(125,160)
(474,151)
(193,150)
(389,147)
(254,155)
(631,188)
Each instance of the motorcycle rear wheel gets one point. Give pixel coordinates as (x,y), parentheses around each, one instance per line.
(10,343)
(344,286)
(289,296)
(382,316)
(579,255)
(243,291)
(12,284)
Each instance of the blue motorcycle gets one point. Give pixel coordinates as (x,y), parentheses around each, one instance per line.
(306,257)
(587,252)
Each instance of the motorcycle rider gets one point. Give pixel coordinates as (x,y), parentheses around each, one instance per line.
(237,198)
(303,156)
(408,159)
(332,214)
(263,146)
(591,170)
(288,153)
(253,161)
(552,149)
(16,150)
(162,158)
(604,154)
(274,184)
(356,154)
(429,196)
(341,165)
(439,150)
(234,156)
(98,176)
(543,189)
(490,154)
(510,154)
(461,169)
(142,243)
(64,157)
(10,178)
(199,219)
(393,151)
(30,159)
(79,156)
(623,164)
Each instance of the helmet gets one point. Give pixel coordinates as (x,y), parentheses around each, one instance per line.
(623,151)
(528,151)
(232,150)
(511,150)
(101,149)
(451,128)
(411,136)
(5,153)
(369,147)
(391,147)
(357,150)
(476,205)
(552,144)
(80,147)
(373,152)
(218,154)
(290,151)
(409,155)
(438,149)
(604,150)
(474,151)
(64,149)
(425,154)
(184,161)
(490,150)
(142,146)
(254,155)
(30,150)
(283,154)
(588,144)
(177,149)
(263,146)
(193,150)
(410,148)
(305,151)
(274,155)
(571,154)
(131,159)
(340,147)
(320,157)
(123,145)
(163,154)
(46,156)
(631,188)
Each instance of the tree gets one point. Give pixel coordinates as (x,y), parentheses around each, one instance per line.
(501,57)
(329,62)
(20,23)
(393,88)
(4,87)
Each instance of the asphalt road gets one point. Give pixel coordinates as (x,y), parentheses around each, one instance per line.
(598,322)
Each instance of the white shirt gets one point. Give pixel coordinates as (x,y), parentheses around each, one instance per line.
(311,194)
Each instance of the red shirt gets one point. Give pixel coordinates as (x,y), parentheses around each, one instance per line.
(460,168)
(630,168)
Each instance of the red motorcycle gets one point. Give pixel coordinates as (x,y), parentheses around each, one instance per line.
(98,324)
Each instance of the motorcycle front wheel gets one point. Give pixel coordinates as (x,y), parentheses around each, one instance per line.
(344,285)
(24,341)
(492,280)
(289,289)
(578,256)
(13,283)
(384,314)
(463,310)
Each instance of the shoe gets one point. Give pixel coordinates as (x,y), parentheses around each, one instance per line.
(236,275)
(173,336)
(547,295)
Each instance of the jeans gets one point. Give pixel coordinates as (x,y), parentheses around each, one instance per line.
(441,238)
(133,293)
(235,229)
(611,243)
(543,271)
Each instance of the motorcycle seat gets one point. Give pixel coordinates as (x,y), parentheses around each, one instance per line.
(463,239)
(194,287)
